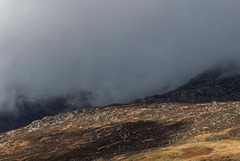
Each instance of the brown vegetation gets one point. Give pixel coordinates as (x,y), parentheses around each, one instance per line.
(130,132)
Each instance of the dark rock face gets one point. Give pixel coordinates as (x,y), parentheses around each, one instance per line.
(28,110)
(213,85)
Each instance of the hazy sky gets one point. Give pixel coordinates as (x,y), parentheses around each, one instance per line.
(118,49)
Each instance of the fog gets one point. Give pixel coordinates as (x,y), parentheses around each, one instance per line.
(118,50)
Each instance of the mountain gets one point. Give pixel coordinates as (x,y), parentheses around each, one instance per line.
(222,83)
(199,121)
(161,131)
(218,84)
(28,110)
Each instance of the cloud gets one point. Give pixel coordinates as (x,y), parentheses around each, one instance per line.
(119,50)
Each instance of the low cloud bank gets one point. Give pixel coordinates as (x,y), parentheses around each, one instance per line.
(117,50)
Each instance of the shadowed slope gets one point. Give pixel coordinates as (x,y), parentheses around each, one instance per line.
(220,84)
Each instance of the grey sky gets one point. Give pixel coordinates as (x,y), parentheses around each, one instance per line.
(120,50)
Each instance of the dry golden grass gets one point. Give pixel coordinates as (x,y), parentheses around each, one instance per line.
(217,150)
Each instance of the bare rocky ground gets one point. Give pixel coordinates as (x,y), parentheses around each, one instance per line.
(130,132)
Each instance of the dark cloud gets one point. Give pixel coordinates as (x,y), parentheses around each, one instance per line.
(119,50)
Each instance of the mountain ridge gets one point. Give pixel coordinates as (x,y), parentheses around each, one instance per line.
(212,85)
(164,127)
(221,83)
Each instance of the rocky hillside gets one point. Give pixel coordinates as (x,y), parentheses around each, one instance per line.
(199,121)
(123,132)
(28,110)
(218,84)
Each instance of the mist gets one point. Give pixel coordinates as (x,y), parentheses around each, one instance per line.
(117,50)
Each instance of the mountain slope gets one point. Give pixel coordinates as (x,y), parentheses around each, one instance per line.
(213,85)
(110,133)
(185,124)
(28,110)
(221,83)
(224,150)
